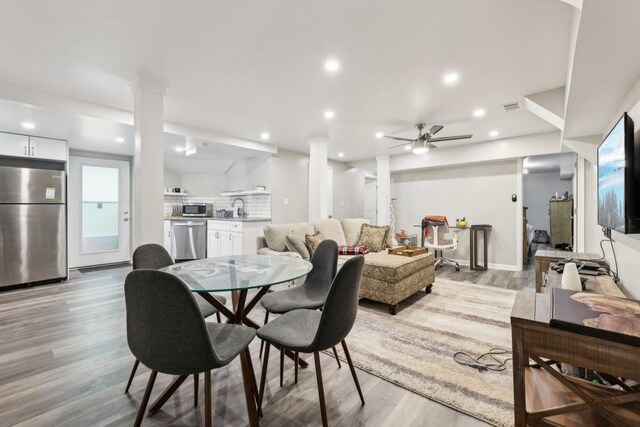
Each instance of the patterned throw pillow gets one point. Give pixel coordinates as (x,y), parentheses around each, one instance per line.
(374,237)
(295,244)
(352,250)
(312,241)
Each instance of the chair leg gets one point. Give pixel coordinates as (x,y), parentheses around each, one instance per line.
(207,398)
(133,374)
(266,319)
(323,407)
(296,357)
(281,365)
(263,376)
(335,353)
(353,370)
(218,318)
(145,399)
(196,380)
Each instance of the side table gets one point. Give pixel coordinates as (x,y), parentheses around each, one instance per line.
(473,247)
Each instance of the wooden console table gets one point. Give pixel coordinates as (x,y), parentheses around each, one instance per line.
(543,396)
(546,257)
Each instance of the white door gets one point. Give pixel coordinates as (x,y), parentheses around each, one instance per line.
(236,244)
(14,145)
(226,247)
(99,228)
(370,197)
(45,148)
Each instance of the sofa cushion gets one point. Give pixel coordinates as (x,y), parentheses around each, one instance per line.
(373,237)
(312,241)
(392,268)
(275,234)
(295,244)
(351,228)
(331,229)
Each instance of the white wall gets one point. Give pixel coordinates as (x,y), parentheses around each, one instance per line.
(289,187)
(246,174)
(538,189)
(480,192)
(204,185)
(172,178)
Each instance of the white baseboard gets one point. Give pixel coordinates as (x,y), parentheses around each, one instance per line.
(492,266)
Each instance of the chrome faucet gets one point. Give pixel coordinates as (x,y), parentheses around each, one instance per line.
(242,213)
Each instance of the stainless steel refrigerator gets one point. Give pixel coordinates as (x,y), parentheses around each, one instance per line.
(33,225)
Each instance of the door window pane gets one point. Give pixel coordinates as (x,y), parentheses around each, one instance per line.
(100,212)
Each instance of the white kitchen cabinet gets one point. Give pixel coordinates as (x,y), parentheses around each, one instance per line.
(167,236)
(237,243)
(213,244)
(45,148)
(34,147)
(14,145)
(229,238)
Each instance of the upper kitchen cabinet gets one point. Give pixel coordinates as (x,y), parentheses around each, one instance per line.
(30,146)
(14,145)
(45,148)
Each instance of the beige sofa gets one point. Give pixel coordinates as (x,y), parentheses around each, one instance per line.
(386,278)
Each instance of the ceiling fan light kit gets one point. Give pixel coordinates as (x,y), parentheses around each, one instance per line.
(425,140)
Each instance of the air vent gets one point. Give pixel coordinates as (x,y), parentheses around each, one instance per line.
(512,106)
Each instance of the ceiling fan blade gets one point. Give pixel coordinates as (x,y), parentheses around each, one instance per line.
(450,138)
(399,139)
(435,129)
(401,145)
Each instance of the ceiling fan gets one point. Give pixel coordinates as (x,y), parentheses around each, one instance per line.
(424,141)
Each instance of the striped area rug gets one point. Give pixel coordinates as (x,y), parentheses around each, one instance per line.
(415,348)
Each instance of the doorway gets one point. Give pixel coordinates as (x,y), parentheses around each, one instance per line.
(99,230)
(370,200)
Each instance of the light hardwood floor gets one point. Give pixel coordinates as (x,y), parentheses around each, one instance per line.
(64,361)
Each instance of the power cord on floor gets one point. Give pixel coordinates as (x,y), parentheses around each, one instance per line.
(608,238)
(486,361)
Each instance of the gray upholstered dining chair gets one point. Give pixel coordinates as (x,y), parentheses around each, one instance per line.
(312,331)
(153,256)
(167,333)
(310,295)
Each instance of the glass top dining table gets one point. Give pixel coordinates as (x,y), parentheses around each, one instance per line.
(239,273)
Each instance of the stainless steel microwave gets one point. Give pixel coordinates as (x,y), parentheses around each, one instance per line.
(197,209)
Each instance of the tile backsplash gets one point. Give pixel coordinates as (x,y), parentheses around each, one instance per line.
(256,205)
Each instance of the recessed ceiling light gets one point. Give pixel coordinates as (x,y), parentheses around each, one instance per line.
(479,112)
(407,147)
(265,136)
(379,134)
(494,133)
(28,125)
(119,139)
(451,78)
(329,114)
(332,65)
(180,149)
(340,154)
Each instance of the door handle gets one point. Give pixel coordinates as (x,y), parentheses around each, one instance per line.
(126,219)
(32,151)
(229,236)
(25,151)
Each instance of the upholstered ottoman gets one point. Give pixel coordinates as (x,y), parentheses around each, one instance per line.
(392,278)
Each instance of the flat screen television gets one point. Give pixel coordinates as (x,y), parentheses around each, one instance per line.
(618,183)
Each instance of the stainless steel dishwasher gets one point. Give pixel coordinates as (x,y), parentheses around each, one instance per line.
(189,240)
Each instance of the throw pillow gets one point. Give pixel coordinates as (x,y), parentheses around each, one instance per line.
(373,237)
(295,244)
(312,241)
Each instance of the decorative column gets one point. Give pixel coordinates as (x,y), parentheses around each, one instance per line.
(148,162)
(383,194)
(318,206)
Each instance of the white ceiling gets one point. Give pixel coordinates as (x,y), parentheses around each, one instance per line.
(90,134)
(242,68)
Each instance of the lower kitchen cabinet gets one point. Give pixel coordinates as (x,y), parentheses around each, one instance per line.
(167,235)
(229,238)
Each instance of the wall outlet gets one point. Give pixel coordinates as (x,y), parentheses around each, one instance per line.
(285,202)
(341,202)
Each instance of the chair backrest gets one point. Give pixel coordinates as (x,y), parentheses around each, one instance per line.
(151,256)
(165,328)
(325,265)
(340,307)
